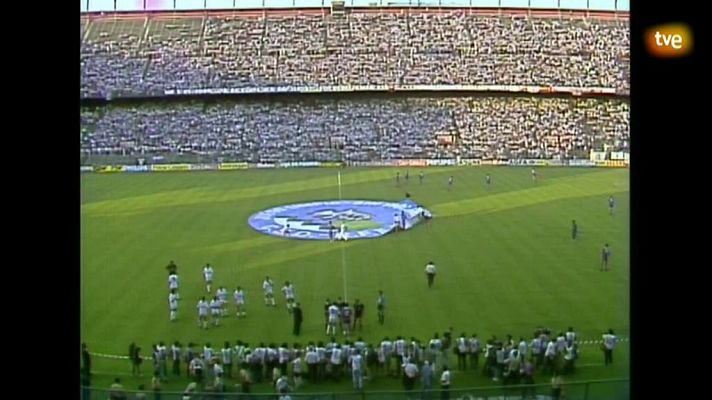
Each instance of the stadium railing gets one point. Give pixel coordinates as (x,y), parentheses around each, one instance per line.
(611,389)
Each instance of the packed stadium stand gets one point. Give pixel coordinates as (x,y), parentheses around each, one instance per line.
(150,55)
(147,56)
(360,129)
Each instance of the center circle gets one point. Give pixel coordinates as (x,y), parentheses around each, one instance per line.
(363,219)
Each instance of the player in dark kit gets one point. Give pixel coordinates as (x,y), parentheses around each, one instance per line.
(611,204)
(574,229)
(407,175)
(298,317)
(358,315)
(605,256)
(397,178)
(172,268)
(381,305)
(420,177)
(488,179)
(332,231)
(327,304)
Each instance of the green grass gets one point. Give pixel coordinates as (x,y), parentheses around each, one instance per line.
(506,261)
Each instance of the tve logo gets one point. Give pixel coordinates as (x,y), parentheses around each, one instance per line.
(669,40)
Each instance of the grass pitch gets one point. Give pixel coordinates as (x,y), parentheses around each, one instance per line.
(506,260)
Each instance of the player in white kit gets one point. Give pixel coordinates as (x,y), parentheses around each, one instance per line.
(215,306)
(222,297)
(288,291)
(342,235)
(333,312)
(208,276)
(268,288)
(173,284)
(203,313)
(239,297)
(173,304)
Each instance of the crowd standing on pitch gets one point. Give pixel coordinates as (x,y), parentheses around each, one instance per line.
(416,362)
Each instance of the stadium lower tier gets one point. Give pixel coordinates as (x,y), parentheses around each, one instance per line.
(368,129)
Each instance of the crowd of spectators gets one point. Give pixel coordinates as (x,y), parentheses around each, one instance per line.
(368,129)
(356,49)
(286,367)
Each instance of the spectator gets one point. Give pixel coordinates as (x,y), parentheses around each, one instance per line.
(116,391)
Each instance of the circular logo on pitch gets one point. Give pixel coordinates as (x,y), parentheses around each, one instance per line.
(362,219)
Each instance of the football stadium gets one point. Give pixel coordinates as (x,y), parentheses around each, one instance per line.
(285,199)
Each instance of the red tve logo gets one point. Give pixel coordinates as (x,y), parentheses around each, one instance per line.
(669,40)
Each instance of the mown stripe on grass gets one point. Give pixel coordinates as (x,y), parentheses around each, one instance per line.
(201,196)
(567,187)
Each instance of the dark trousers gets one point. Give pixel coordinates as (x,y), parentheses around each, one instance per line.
(474,360)
(156,395)
(528,388)
(176,367)
(462,361)
(228,370)
(556,393)
(445,393)
(607,356)
(431,279)
(297,328)
(360,323)
(313,372)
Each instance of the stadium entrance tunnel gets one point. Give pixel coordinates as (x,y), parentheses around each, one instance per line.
(338,219)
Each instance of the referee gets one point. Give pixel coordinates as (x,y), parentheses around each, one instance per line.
(430,272)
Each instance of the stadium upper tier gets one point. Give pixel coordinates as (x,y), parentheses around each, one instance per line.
(356,129)
(147,56)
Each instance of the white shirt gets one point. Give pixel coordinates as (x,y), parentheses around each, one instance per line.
(536,345)
(386,346)
(239,296)
(333,311)
(208,273)
(400,347)
(430,268)
(173,281)
(267,287)
(462,345)
(283,355)
(523,348)
(297,365)
(336,356)
(215,306)
(445,378)
(226,355)
(202,307)
(609,341)
(356,362)
(571,336)
(222,294)
(411,370)
(474,345)
(288,291)
(550,349)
